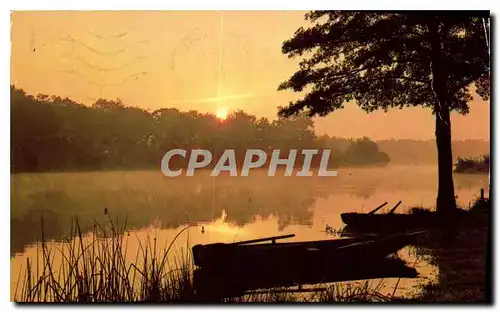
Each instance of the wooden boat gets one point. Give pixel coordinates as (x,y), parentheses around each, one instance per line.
(295,255)
(388,222)
(385,220)
(228,270)
(220,284)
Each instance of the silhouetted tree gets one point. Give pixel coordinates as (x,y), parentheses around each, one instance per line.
(364,152)
(384,60)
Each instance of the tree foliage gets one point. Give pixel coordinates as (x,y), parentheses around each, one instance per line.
(391,59)
(383,60)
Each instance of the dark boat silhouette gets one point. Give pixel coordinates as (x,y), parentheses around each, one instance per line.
(231,269)
(225,284)
(225,256)
(418,219)
(388,222)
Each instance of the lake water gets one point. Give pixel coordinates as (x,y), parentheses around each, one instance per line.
(228,208)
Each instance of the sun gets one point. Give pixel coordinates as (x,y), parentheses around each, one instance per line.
(221,113)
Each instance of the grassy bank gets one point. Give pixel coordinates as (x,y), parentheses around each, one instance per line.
(473,165)
(461,251)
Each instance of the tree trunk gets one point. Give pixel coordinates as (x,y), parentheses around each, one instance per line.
(445,202)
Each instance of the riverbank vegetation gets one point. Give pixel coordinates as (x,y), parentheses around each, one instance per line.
(463,254)
(473,165)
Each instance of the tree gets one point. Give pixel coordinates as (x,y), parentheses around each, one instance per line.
(365,152)
(384,60)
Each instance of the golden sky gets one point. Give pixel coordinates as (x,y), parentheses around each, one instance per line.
(205,61)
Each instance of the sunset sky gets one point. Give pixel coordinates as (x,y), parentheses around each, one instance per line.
(206,61)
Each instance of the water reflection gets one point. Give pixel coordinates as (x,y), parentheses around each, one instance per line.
(255,206)
(222,231)
(146,197)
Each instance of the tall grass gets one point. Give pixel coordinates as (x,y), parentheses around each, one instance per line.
(367,291)
(95,268)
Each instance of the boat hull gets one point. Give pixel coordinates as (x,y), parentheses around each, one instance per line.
(228,270)
(232,283)
(227,257)
(399,222)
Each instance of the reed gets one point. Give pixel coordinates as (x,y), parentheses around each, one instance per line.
(94,268)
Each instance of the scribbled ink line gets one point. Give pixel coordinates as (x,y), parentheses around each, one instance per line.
(79,76)
(102,69)
(114,36)
(72,40)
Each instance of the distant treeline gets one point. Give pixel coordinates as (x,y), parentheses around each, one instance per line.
(417,152)
(50,133)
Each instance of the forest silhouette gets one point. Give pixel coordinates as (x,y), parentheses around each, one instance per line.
(50,133)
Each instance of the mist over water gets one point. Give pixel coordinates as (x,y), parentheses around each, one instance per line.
(228,208)
(146,197)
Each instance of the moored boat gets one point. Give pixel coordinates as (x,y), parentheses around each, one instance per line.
(237,280)
(388,222)
(296,255)
(392,220)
